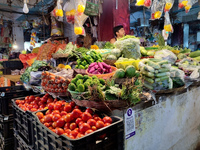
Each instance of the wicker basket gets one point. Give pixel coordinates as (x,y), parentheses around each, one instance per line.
(104,76)
(78,95)
(105,106)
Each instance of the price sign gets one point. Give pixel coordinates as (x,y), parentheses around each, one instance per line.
(129,123)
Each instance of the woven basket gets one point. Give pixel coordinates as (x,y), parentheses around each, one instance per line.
(105,106)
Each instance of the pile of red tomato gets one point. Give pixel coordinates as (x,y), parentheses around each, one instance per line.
(70,120)
(33,103)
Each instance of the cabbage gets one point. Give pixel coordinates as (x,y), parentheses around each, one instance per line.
(111,57)
(130,47)
(116,52)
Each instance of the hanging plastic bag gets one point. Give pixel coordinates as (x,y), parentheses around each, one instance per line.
(168,26)
(168,5)
(80,17)
(146,3)
(57,11)
(157,9)
(182,3)
(189,5)
(70,11)
(56,27)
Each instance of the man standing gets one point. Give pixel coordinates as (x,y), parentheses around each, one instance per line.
(119,32)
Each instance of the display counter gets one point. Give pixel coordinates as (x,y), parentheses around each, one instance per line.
(170,122)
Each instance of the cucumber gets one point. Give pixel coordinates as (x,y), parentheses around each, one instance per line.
(154,65)
(148,74)
(149,68)
(149,80)
(163,62)
(161,79)
(162,74)
(148,86)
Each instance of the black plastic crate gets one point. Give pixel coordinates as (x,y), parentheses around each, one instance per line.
(6,126)
(6,71)
(13,64)
(20,144)
(7,94)
(6,144)
(46,139)
(23,122)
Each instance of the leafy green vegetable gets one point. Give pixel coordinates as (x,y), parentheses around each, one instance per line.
(82,50)
(112,93)
(108,45)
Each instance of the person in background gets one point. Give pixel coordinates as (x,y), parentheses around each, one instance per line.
(119,32)
(198,47)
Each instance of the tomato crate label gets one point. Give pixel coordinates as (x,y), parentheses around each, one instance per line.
(129,123)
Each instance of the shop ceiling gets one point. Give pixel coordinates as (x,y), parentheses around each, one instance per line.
(13,9)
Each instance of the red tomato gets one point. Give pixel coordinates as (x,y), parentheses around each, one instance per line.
(39,115)
(80,123)
(106,124)
(91,122)
(59,131)
(60,123)
(35,106)
(51,106)
(50,128)
(71,137)
(72,126)
(99,124)
(89,110)
(40,103)
(55,112)
(78,120)
(77,129)
(53,130)
(107,120)
(32,109)
(47,118)
(97,118)
(33,103)
(67,108)
(22,102)
(57,106)
(32,98)
(42,106)
(88,132)
(46,124)
(94,128)
(72,103)
(26,98)
(79,135)
(95,115)
(68,118)
(42,120)
(43,99)
(86,116)
(63,113)
(49,100)
(67,131)
(67,126)
(84,127)
(54,124)
(76,113)
(37,98)
(76,107)
(18,102)
(73,133)
(26,104)
(48,112)
(56,117)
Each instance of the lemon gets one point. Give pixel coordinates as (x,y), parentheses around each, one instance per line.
(140,2)
(59,12)
(168,6)
(184,3)
(73,12)
(81,8)
(78,30)
(188,7)
(157,14)
(61,66)
(168,28)
(68,67)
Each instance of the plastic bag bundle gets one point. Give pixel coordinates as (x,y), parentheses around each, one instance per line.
(146,3)
(168,5)
(80,17)
(157,9)
(70,11)
(56,27)
(166,55)
(168,26)
(189,5)
(57,11)
(182,3)
(156,74)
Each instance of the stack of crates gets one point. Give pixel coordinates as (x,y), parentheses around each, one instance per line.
(6,114)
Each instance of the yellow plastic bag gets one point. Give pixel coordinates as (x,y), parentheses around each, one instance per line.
(125,64)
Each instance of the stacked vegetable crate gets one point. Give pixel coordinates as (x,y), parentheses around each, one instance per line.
(23,127)
(47,139)
(6,114)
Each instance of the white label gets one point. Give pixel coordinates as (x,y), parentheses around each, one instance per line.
(129,123)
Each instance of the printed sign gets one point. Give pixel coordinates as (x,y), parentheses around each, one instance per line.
(129,123)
